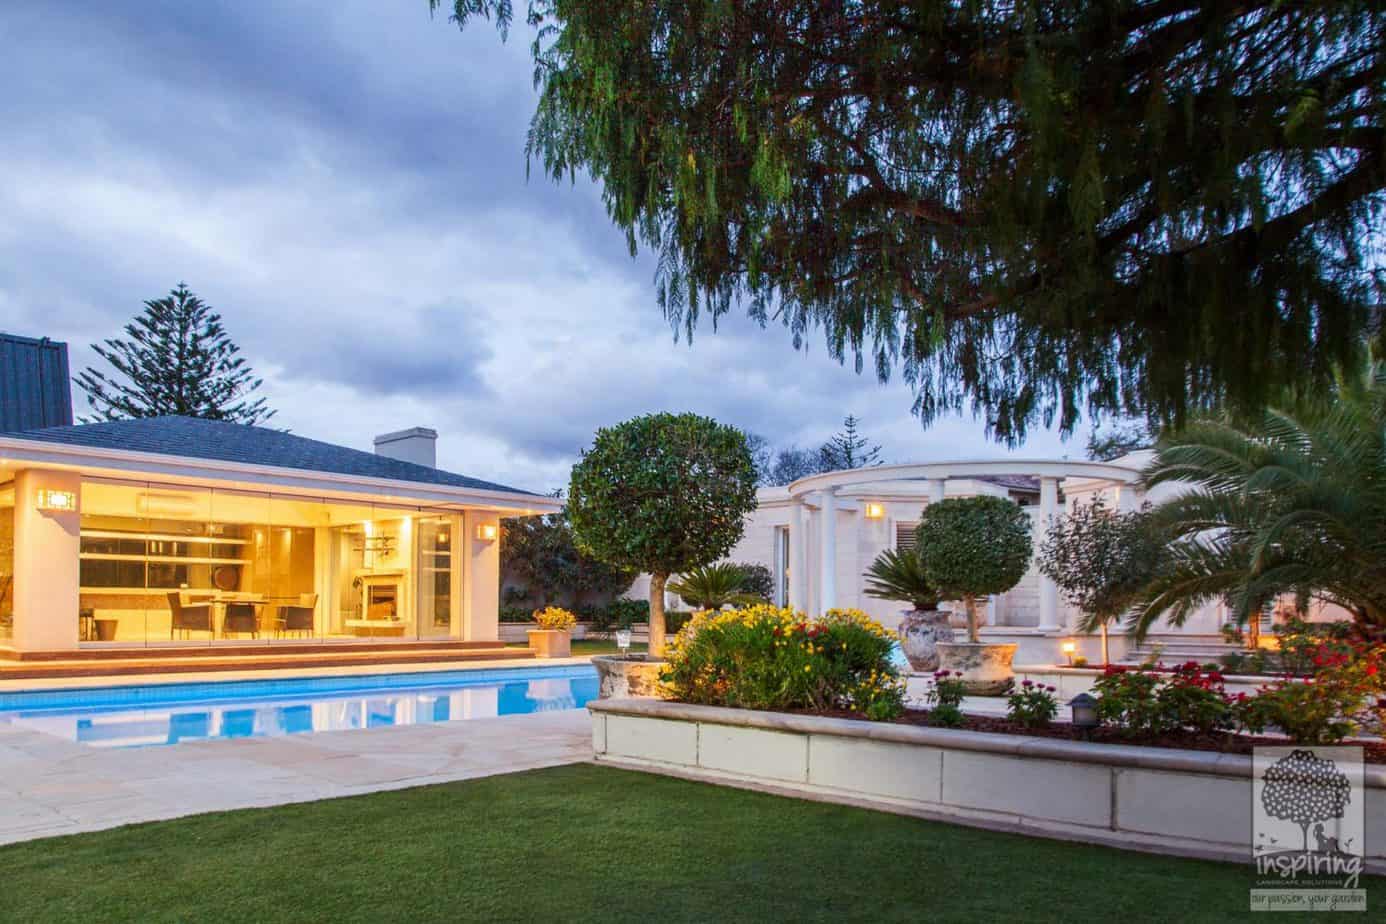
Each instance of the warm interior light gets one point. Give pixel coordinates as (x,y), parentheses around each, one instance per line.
(486,532)
(50,499)
(1068,647)
(875,511)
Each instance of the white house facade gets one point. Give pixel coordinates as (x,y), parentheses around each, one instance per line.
(819,535)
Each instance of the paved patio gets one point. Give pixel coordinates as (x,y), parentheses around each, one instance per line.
(51,786)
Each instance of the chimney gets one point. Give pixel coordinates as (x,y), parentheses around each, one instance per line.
(417,444)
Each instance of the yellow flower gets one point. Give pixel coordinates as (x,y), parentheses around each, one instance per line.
(807,668)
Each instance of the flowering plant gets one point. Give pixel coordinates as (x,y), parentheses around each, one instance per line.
(945,698)
(1194,697)
(769,657)
(1033,705)
(1345,693)
(1126,698)
(555,618)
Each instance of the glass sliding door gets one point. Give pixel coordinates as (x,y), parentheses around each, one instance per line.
(6,562)
(437,538)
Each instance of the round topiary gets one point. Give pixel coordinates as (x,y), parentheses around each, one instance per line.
(974,547)
(663,494)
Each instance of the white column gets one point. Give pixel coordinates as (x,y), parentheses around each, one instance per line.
(827,552)
(798,555)
(1126,498)
(936,488)
(47,544)
(481,583)
(1048,590)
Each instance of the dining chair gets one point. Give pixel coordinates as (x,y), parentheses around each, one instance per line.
(297,617)
(241,618)
(188,617)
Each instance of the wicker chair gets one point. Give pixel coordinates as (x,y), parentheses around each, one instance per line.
(196,618)
(297,618)
(241,618)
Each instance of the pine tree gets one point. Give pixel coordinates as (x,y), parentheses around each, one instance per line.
(848,449)
(178,360)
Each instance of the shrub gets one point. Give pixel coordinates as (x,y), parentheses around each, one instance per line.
(1127,699)
(759,582)
(945,699)
(555,618)
(1080,661)
(675,620)
(516,614)
(1328,707)
(1305,646)
(768,657)
(898,574)
(1194,697)
(1033,705)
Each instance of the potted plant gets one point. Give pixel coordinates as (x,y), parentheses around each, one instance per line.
(899,575)
(662,494)
(971,548)
(554,637)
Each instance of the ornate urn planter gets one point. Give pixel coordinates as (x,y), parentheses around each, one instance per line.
(920,632)
(622,677)
(986,669)
(551,643)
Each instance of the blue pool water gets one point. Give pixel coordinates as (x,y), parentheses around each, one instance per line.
(140,716)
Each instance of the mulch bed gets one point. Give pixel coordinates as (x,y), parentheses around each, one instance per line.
(1373,752)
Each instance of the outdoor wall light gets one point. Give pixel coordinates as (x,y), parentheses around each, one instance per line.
(875,511)
(59,501)
(1069,649)
(486,532)
(1084,708)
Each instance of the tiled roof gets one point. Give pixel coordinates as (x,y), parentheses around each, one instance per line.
(195,438)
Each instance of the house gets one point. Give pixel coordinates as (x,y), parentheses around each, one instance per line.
(176,531)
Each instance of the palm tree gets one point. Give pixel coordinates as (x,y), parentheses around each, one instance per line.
(1294,505)
(712,587)
(899,575)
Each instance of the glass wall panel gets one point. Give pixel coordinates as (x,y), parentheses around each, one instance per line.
(241,593)
(437,537)
(6,561)
(296,609)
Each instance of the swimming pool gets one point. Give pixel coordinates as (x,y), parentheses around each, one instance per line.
(162,714)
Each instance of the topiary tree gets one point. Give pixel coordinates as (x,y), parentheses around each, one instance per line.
(1102,561)
(663,494)
(974,547)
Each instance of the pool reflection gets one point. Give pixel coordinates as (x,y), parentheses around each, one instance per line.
(124,727)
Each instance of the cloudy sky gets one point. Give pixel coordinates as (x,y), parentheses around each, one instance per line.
(345,182)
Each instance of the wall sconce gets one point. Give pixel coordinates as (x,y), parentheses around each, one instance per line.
(875,511)
(58,501)
(487,532)
(1069,648)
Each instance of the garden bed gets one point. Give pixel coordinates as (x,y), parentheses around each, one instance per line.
(1374,751)
(1179,800)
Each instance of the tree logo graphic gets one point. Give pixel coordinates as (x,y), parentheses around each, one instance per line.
(1307,790)
(1309,828)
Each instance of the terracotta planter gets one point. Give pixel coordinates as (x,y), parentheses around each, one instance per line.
(920,632)
(986,669)
(551,643)
(625,677)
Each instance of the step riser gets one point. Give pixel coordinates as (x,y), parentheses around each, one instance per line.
(243,651)
(128,667)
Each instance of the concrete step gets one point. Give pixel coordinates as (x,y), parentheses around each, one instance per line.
(138,664)
(1177,652)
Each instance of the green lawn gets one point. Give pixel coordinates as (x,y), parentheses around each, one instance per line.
(593,843)
(596,646)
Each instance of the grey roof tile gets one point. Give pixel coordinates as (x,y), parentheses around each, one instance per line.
(195,438)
